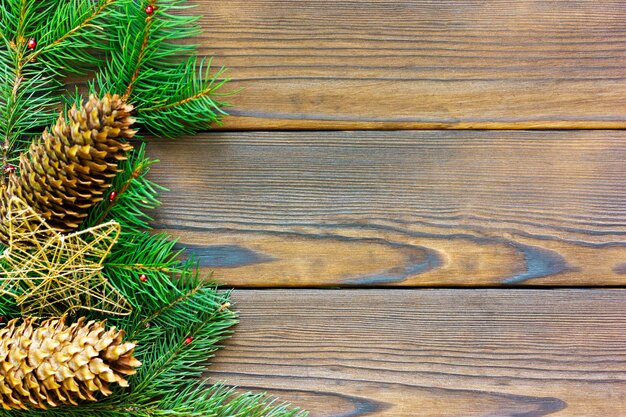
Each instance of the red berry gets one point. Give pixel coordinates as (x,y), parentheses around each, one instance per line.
(32,43)
(188,340)
(112,195)
(149,9)
(9,168)
(143,278)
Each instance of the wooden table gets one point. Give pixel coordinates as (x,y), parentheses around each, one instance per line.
(422,204)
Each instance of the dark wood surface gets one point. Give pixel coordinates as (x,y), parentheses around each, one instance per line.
(383,64)
(410,208)
(432,353)
(286,200)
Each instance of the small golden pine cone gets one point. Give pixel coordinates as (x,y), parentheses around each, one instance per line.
(48,364)
(66,173)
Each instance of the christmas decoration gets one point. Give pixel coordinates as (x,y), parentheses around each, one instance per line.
(76,243)
(51,274)
(48,364)
(66,174)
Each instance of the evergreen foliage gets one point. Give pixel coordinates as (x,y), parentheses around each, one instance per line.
(178,318)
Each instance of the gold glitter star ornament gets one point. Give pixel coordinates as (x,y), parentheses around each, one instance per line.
(51,274)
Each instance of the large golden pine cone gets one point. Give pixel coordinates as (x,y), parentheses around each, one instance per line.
(49,364)
(66,173)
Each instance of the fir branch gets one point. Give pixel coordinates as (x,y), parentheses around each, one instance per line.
(27,104)
(184,108)
(11,85)
(181,299)
(173,93)
(144,46)
(200,399)
(197,96)
(194,327)
(140,58)
(134,195)
(76,38)
(152,256)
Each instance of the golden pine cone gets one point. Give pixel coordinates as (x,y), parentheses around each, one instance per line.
(66,173)
(49,364)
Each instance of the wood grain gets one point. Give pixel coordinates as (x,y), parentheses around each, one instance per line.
(407,208)
(413,64)
(410,353)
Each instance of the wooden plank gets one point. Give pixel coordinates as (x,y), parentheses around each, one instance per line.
(412,64)
(407,208)
(410,353)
